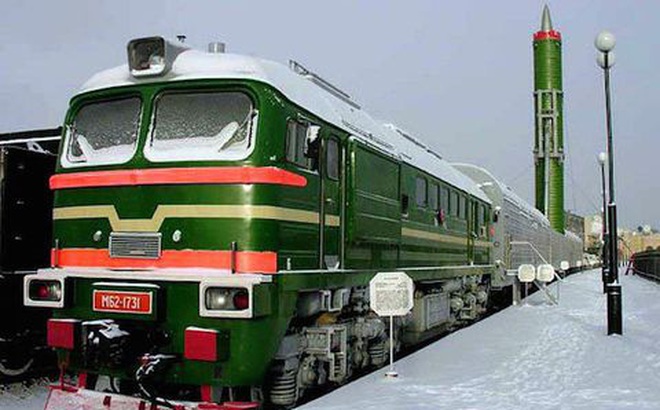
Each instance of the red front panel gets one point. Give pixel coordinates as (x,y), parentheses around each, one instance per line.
(201,344)
(61,333)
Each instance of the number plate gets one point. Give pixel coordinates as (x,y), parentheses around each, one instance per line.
(123,302)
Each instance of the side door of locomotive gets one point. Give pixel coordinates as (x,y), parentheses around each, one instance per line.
(332,154)
(471,227)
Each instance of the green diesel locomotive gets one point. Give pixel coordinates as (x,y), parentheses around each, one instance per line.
(217,219)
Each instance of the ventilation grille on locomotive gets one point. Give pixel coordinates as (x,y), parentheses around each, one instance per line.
(135,245)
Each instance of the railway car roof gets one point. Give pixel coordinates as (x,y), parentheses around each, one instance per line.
(482,175)
(505,190)
(195,64)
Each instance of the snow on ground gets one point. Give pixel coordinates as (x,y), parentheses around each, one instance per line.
(535,356)
(24,395)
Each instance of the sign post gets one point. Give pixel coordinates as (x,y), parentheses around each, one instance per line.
(391,294)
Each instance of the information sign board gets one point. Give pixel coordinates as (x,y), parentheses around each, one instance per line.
(391,293)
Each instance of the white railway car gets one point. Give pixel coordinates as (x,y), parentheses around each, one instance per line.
(522,234)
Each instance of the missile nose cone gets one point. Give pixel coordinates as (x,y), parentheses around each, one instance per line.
(546,23)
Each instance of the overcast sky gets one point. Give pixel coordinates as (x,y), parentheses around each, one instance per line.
(458,74)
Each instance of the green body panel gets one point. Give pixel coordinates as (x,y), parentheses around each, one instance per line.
(374,214)
(549,121)
(369,239)
(333,280)
(292,240)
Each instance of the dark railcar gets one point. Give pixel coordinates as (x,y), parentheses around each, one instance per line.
(27,160)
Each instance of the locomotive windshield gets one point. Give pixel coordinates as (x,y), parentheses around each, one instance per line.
(201,126)
(103,133)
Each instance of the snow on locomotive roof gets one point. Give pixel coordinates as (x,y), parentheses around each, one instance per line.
(506,191)
(194,64)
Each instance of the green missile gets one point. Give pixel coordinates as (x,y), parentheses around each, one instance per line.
(549,123)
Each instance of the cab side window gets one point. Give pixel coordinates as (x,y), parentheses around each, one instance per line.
(405,205)
(483,215)
(296,139)
(433,196)
(421,192)
(462,207)
(444,199)
(453,203)
(332,159)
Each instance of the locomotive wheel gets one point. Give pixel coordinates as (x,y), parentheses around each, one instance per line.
(16,357)
(15,366)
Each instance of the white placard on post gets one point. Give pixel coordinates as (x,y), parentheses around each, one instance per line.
(391,294)
(526,273)
(545,273)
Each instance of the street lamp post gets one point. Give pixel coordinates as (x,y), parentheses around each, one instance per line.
(602,157)
(605,43)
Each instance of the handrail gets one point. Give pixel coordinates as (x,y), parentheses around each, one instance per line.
(538,254)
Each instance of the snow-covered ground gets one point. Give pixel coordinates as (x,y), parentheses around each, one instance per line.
(535,356)
(21,396)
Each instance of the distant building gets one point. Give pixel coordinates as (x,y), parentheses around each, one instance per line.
(634,241)
(593,234)
(575,224)
(630,241)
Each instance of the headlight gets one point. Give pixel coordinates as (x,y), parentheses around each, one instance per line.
(45,290)
(152,56)
(217,298)
(146,56)
(235,296)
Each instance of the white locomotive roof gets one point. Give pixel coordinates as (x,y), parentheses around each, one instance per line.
(195,64)
(507,193)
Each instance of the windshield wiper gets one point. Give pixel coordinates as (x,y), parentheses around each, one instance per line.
(242,132)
